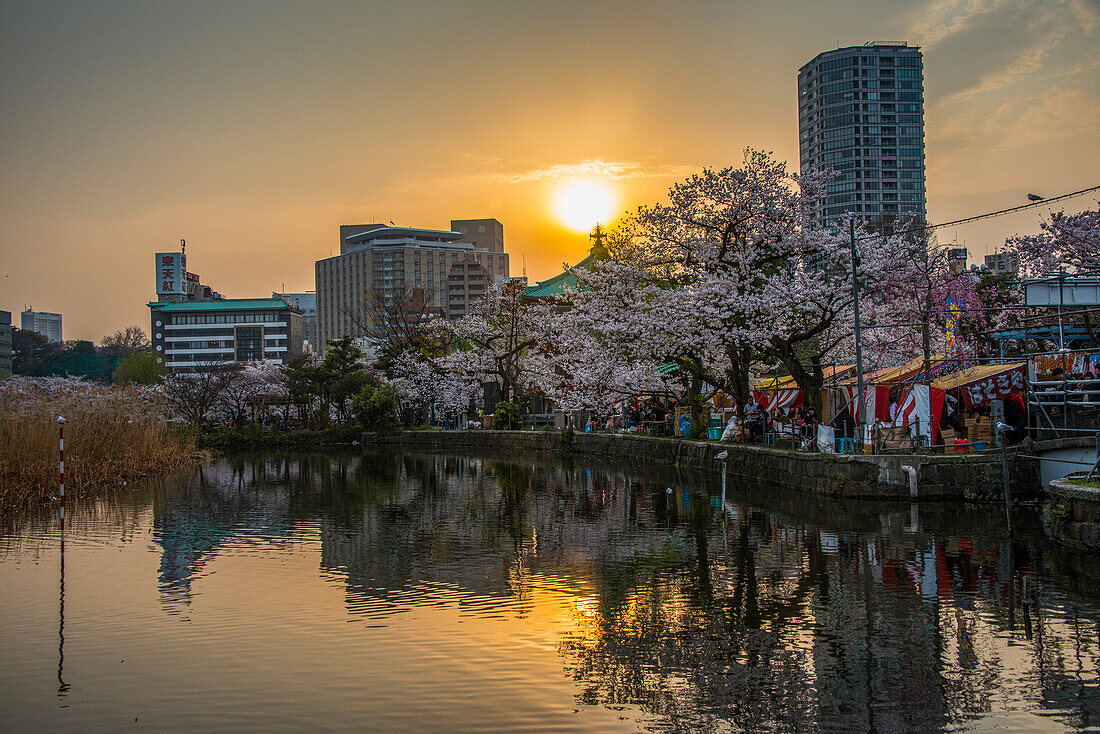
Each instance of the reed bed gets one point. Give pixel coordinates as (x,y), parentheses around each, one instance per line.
(114,436)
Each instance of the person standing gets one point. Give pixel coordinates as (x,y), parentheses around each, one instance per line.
(754,420)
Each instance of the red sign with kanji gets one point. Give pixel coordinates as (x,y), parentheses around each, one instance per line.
(994,387)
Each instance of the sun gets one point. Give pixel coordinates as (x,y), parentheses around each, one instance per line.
(580,204)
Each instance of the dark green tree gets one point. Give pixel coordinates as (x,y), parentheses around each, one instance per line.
(375,408)
(342,375)
(506,416)
(31,352)
(125,341)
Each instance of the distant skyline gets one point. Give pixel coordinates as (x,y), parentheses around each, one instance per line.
(255,129)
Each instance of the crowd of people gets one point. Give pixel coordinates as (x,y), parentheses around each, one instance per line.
(660,416)
(650,415)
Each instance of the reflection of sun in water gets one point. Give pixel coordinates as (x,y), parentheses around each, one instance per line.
(580,203)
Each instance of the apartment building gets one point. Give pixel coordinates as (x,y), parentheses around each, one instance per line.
(43,322)
(861,114)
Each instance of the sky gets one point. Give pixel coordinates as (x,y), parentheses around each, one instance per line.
(255,129)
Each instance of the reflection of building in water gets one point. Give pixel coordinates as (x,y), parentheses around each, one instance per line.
(221,505)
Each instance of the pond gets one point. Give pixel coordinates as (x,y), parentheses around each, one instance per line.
(474,593)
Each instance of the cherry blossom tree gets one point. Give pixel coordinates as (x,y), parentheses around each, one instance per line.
(491,343)
(607,340)
(1066,243)
(430,382)
(248,389)
(749,277)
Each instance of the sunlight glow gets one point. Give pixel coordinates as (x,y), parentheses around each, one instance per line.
(580,204)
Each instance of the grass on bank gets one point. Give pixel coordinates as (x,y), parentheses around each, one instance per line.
(114,435)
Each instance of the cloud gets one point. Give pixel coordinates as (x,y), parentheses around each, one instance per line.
(1033,31)
(615,170)
(1060,114)
(1054,114)
(942,19)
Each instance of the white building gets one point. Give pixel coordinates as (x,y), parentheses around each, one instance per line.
(192,335)
(45,323)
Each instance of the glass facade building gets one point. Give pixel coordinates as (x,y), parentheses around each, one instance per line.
(861,114)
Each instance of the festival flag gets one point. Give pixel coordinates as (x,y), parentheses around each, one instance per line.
(954,313)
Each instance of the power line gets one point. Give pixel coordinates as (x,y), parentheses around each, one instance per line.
(990,215)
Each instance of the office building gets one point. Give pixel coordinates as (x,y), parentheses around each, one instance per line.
(5,343)
(194,327)
(45,323)
(379,265)
(192,335)
(956,259)
(861,113)
(307,304)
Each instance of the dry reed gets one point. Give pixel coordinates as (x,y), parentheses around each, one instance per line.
(114,436)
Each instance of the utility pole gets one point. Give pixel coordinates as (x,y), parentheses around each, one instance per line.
(855,307)
(926,315)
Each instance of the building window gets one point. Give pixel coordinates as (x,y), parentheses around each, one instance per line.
(250,343)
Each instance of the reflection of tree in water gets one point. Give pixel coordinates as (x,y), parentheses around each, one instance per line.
(792,620)
(799,629)
(694,649)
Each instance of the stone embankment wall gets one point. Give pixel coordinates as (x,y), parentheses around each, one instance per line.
(974,477)
(1072,514)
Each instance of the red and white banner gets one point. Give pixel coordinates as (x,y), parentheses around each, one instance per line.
(876,403)
(921,403)
(774,400)
(994,387)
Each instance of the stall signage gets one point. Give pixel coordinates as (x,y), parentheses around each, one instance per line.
(1043,366)
(994,387)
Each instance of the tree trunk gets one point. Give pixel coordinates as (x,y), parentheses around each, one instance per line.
(810,381)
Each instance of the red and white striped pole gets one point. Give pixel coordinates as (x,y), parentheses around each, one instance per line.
(61,422)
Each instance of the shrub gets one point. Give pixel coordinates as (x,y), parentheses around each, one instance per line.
(506,416)
(375,407)
(699,418)
(140,368)
(567,438)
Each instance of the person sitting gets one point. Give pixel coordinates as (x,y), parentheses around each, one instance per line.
(810,420)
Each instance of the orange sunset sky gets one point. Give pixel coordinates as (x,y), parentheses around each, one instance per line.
(254,129)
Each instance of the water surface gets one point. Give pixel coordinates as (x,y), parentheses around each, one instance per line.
(467,593)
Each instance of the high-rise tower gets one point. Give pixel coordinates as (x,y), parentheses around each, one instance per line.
(861,113)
